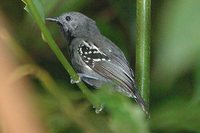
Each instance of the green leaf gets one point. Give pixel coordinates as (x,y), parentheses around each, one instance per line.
(26,7)
(38,6)
(40,9)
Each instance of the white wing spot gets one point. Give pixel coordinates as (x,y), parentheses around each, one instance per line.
(93,47)
(81,52)
(96,59)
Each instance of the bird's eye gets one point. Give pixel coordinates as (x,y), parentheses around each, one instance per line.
(68,18)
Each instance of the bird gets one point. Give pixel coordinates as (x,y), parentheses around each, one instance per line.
(95,58)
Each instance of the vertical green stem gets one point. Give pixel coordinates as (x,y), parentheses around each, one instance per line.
(143,21)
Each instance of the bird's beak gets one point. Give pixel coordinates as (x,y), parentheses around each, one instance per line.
(53,20)
(58,21)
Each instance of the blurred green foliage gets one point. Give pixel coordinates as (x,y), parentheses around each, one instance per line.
(175,67)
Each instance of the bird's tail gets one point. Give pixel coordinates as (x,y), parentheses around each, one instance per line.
(141,102)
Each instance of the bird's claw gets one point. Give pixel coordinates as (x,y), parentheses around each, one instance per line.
(72,81)
(98,109)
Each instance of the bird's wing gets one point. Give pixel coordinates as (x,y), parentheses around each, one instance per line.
(111,64)
(108,65)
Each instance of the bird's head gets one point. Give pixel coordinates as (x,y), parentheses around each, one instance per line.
(75,24)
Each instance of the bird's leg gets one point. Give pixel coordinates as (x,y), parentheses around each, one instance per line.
(81,75)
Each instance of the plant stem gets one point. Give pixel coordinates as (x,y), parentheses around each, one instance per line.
(143,22)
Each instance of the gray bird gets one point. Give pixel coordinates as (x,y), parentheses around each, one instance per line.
(96,59)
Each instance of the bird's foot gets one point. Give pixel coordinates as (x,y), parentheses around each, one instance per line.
(72,81)
(98,108)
